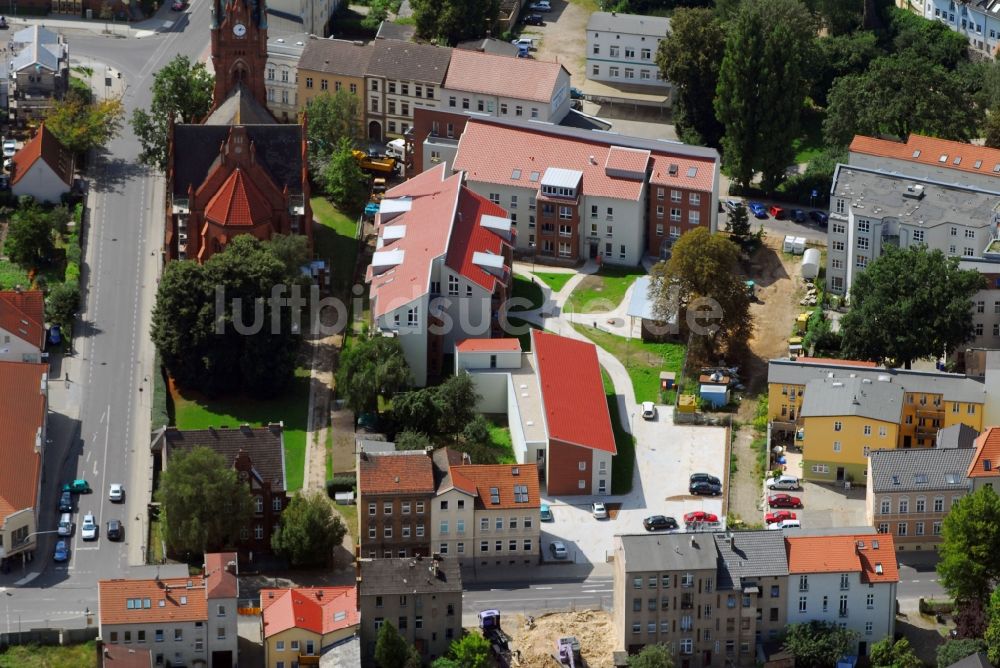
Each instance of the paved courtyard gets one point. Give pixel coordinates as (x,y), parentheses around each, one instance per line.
(825,504)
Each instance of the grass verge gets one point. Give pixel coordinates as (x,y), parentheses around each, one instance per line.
(49,656)
(154,550)
(11,275)
(603,291)
(349,512)
(526,289)
(195,411)
(555,280)
(623,464)
(810,144)
(335,242)
(524,338)
(500,433)
(643,361)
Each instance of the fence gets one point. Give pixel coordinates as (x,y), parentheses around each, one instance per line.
(48,636)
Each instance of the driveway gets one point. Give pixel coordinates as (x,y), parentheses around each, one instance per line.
(825,504)
(563,38)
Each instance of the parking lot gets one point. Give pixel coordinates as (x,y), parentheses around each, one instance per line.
(824,504)
(666,456)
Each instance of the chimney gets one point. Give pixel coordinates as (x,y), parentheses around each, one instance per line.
(694,543)
(245,428)
(319,594)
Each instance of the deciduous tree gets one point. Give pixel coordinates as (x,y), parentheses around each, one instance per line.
(455,20)
(61,305)
(839,16)
(391,649)
(888,654)
(309,530)
(992,635)
(470,651)
(204,502)
(370,368)
(412,440)
(182,90)
(818,644)
(969,561)
(954,651)
(652,656)
(80,124)
(841,55)
(344,180)
(29,240)
(909,304)
(738,222)
(331,117)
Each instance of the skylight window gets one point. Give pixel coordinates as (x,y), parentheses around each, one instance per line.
(943,158)
(520,493)
(515,175)
(951,478)
(979,163)
(916,154)
(692,172)
(495,496)
(920,478)
(535,175)
(878,569)
(895,480)
(957,160)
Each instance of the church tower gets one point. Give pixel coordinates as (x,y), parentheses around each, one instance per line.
(239,48)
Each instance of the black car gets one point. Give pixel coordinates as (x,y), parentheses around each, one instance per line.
(705,477)
(705,488)
(66,502)
(798,215)
(659,523)
(819,217)
(534,20)
(115,530)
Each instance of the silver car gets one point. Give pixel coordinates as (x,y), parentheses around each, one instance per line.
(558,550)
(88,531)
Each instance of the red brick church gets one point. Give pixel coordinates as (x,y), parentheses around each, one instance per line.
(240,171)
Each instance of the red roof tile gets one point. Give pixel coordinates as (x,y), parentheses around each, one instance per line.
(22,313)
(837,362)
(318,609)
(930,151)
(404,473)
(119,656)
(488,345)
(469,236)
(576,408)
(986,461)
(491,74)
(844,554)
(238,203)
(20,422)
(691,173)
(170,600)
(627,159)
(484,477)
(221,583)
(44,145)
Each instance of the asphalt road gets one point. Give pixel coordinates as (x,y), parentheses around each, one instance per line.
(536,598)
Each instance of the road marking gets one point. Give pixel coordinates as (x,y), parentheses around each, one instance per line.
(541,587)
(597,591)
(101,421)
(104,473)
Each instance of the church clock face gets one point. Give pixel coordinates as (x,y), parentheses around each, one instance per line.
(239,30)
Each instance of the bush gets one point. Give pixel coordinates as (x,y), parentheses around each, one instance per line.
(929,606)
(340,483)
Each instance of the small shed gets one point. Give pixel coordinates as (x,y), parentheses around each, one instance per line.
(642,307)
(687,403)
(810,263)
(714,389)
(667,380)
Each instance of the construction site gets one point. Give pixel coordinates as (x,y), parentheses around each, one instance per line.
(573,639)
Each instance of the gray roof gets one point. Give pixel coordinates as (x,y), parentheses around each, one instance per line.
(289,45)
(977,660)
(750,554)
(240,108)
(917,469)
(668,552)
(958,435)
(876,194)
(397,31)
(954,386)
(409,62)
(411,575)
(497,47)
(863,397)
(336,56)
(40,47)
(640,305)
(264,446)
(632,24)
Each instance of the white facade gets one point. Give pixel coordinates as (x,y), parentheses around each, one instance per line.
(294,16)
(552,111)
(621,49)
(978,21)
(281,76)
(452,524)
(393,100)
(13,348)
(41,182)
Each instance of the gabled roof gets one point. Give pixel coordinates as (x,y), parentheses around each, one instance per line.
(408,61)
(321,610)
(986,460)
(21,422)
(42,48)
(470,237)
(152,600)
(943,153)
(220,575)
(263,445)
(920,469)
(872,556)
(862,397)
(406,472)
(413,575)
(398,31)
(576,408)
(22,313)
(46,147)
(750,554)
(516,485)
(238,203)
(122,656)
(239,108)
(491,74)
(497,47)
(668,552)
(958,435)
(336,56)
(442,460)
(977,660)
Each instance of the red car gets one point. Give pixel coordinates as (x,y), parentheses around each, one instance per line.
(700,516)
(777,213)
(779,516)
(784,501)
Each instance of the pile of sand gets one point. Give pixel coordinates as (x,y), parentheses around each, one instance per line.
(537,645)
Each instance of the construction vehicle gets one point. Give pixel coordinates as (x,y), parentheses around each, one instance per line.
(489,624)
(375,163)
(568,649)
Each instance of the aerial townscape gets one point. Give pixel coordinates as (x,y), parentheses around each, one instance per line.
(500,333)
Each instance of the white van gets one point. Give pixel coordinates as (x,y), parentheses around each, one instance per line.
(65,525)
(785,524)
(396,149)
(783,482)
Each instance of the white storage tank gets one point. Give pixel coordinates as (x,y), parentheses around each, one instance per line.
(810,263)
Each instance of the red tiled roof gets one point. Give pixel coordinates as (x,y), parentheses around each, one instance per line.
(410,473)
(491,74)
(627,159)
(490,153)
(488,345)
(469,236)
(44,145)
(221,583)
(837,362)
(576,408)
(20,421)
(318,609)
(164,596)
(986,462)
(930,150)
(120,656)
(22,313)
(238,203)
(844,554)
(501,476)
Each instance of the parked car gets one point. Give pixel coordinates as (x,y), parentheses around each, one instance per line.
(3,23)
(786,524)
(545,513)
(705,477)
(648,410)
(600,512)
(697,516)
(65,525)
(117,493)
(788,482)
(62,552)
(798,215)
(78,486)
(758,210)
(575,93)
(534,20)
(705,488)
(65,502)
(55,335)
(779,516)
(659,523)
(88,530)
(734,204)
(777,212)
(558,549)
(819,217)
(178,6)
(9,148)
(784,501)
(523,41)
(540,6)
(115,530)
(523,51)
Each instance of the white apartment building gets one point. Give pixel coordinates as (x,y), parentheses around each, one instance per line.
(978,20)
(300,16)
(281,77)
(621,49)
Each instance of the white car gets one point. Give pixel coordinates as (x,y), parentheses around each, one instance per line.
(89,529)
(558,550)
(524,41)
(117,492)
(600,512)
(648,410)
(9,148)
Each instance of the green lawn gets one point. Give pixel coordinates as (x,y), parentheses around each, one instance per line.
(524,288)
(555,280)
(335,241)
(349,512)
(603,291)
(49,656)
(643,361)
(193,411)
(525,338)
(810,144)
(500,433)
(623,463)
(11,275)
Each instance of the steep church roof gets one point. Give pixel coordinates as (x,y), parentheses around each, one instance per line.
(238,203)
(240,108)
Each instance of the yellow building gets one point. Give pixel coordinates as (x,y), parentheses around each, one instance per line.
(331,65)
(300,625)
